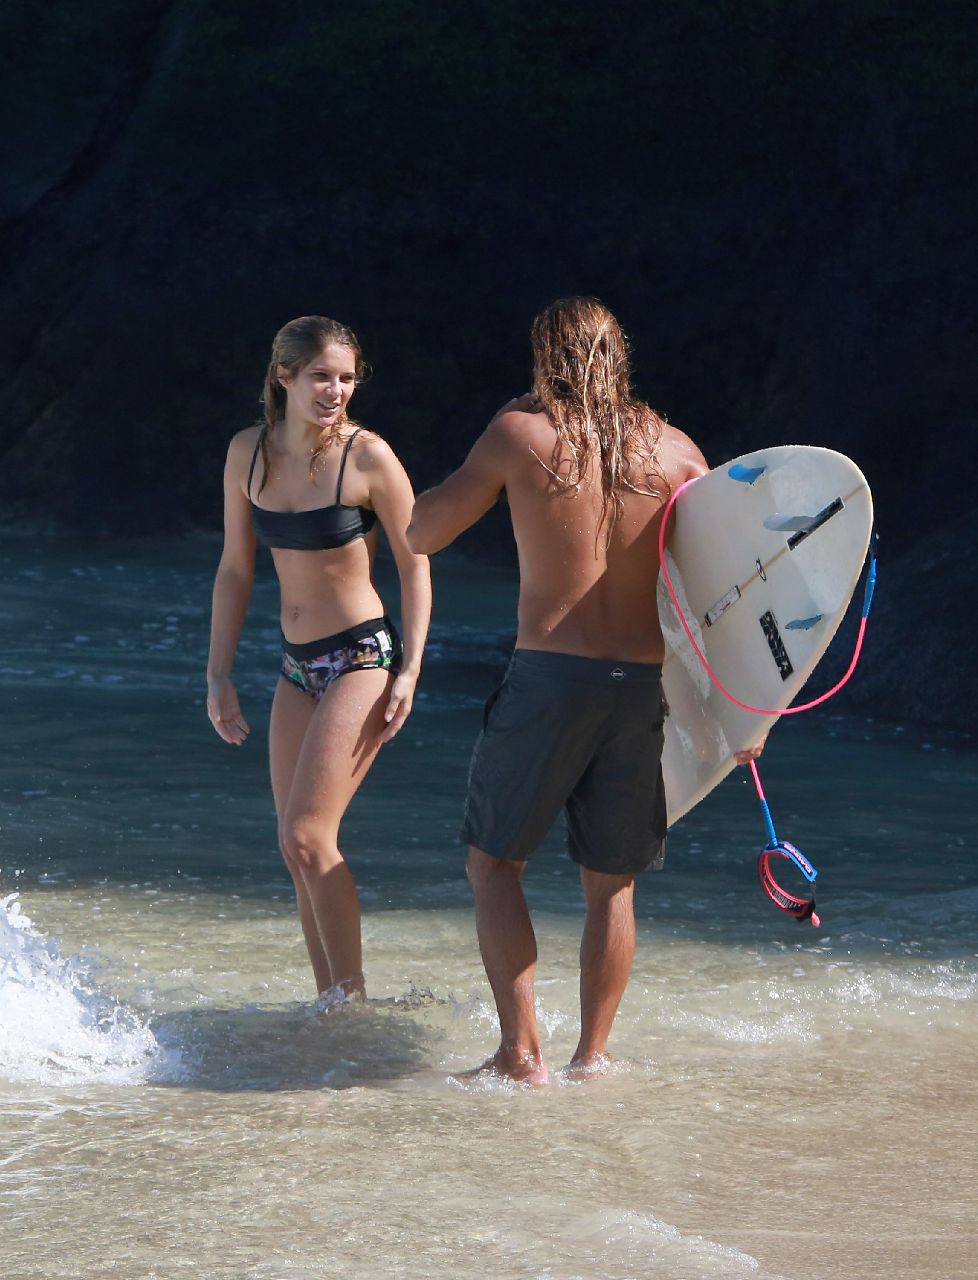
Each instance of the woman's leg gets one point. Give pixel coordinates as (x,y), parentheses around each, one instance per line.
(340,743)
(292,710)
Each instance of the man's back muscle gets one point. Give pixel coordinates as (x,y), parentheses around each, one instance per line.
(581,591)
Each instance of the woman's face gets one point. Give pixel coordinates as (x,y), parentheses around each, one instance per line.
(320,392)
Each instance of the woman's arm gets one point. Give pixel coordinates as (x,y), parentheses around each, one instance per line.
(393,498)
(232,591)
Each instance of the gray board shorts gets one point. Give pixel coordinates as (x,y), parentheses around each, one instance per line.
(580,734)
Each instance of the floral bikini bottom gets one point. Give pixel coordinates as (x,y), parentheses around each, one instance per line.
(314,666)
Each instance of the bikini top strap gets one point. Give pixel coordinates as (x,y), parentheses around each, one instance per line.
(346,451)
(254,459)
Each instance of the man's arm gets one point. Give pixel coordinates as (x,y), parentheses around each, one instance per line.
(442,513)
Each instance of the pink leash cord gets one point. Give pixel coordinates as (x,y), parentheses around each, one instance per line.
(760,711)
(800,908)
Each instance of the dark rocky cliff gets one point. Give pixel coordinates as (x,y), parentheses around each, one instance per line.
(776,200)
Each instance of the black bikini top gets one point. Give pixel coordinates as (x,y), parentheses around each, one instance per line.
(315,530)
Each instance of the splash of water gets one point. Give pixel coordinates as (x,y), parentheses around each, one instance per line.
(56,1026)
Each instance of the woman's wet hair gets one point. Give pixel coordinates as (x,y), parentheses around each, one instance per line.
(582,376)
(294,346)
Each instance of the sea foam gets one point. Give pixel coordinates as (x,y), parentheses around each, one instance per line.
(56,1025)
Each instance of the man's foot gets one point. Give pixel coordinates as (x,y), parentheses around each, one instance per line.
(590,1066)
(507,1064)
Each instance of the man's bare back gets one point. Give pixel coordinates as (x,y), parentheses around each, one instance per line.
(581,592)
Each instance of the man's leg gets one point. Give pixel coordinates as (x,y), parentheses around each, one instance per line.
(607,949)
(509,953)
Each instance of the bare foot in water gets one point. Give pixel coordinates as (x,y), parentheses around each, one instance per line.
(507,1064)
(339,997)
(591,1066)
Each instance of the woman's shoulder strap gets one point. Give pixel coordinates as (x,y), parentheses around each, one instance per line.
(346,454)
(254,459)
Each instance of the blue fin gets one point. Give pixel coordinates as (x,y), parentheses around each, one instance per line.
(788,524)
(803,624)
(747,475)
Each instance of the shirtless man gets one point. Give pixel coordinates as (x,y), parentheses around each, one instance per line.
(578,721)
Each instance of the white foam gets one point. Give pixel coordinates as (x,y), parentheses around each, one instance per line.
(56,1026)
(921,986)
(665,1244)
(938,982)
(775,1029)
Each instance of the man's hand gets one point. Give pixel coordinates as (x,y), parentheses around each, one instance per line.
(752,753)
(526,403)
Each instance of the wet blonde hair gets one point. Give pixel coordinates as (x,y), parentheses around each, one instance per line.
(294,346)
(582,376)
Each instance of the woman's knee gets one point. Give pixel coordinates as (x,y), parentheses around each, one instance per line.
(308,846)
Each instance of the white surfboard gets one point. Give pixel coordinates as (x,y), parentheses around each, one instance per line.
(764,557)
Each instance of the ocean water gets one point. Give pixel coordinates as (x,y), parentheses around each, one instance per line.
(789,1102)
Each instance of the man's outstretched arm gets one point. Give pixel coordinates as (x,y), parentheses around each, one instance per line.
(442,513)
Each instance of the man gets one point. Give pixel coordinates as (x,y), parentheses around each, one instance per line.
(578,721)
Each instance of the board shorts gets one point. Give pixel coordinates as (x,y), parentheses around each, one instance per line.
(314,666)
(580,734)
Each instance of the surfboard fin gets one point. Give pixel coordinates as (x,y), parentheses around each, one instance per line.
(746,475)
(803,624)
(787,524)
(816,522)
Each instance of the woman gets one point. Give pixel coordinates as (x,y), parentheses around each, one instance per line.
(312,485)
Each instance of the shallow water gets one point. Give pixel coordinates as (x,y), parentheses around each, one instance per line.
(789,1102)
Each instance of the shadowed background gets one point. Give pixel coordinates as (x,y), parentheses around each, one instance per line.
(776,200)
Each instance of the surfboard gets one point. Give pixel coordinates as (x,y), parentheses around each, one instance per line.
(764,556)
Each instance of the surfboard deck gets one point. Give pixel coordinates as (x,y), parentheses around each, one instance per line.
(764,556)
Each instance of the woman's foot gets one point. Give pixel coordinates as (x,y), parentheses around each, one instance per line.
(352,991)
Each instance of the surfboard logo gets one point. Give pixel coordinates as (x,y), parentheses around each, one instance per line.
(772,635)
(721,606)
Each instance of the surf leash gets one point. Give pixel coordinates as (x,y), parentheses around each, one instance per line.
(767,711)
(800,908)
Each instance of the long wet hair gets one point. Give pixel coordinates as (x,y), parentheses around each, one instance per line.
(582,376)
(294,346)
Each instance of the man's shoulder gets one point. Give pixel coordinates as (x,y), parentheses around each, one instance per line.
(513,430)
(680,454)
